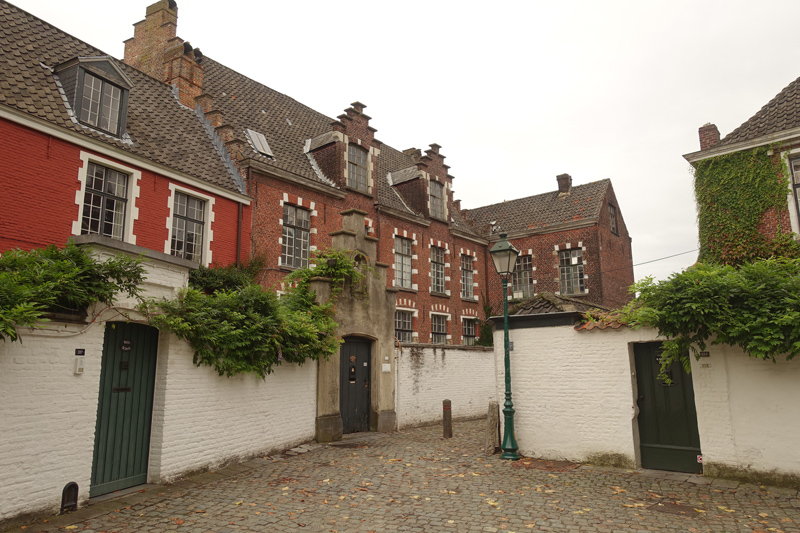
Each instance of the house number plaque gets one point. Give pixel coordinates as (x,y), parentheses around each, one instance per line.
(126,346)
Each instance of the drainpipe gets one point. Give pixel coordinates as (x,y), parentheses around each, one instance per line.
(239,237)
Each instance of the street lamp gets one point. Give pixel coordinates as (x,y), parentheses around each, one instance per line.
(504,256)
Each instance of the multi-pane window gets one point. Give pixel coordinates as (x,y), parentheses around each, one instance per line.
(438,329)
(402,326)
(796,183)
(437,269)
(468,331)
(357,167)
(100,103)
(612,217)
(570,267)
(296,228)
(437,199)
(402,262)
(187,227)
(467,277)
(522,278)
(104,202)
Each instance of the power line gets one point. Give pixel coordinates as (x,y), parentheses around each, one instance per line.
(653,260)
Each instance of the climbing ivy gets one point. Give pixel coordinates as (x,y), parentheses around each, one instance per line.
(249,329)
(755,306)
(46,280)
(733,193)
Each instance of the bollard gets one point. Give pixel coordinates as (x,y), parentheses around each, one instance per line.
(447,419)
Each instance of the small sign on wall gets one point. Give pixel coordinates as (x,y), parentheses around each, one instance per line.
(386,367)
(699,458)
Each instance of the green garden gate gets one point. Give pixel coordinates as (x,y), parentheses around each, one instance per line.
(668,435)
(125,407)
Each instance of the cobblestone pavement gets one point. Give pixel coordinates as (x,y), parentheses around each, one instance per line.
(416,481)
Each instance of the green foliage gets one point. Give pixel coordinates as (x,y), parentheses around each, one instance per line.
(486,335)
(249,330)
(56,279)
(230,277)
(755,307)
(336,265)
(733,192)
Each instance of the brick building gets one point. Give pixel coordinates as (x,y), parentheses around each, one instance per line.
(776,124)
(303,169)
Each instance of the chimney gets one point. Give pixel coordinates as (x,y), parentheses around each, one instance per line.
(155,50)
(414,153)
(709,136)
(564,183)
(151,38)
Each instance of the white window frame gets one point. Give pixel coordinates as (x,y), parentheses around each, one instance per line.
(412,315)
(440,214)
(571,269)
(131,209)
(793,198)
(410,255)
(446,318)
(208,219)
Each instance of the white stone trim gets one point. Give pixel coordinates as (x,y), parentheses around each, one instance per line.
(208,219)
(131,209)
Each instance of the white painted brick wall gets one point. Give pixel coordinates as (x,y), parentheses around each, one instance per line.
(572,391)
(47,416)
(428,375)
(200,419)
(574,395)
(748,410)
(203,419)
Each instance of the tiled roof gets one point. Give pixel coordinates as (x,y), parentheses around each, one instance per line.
(548,302)
(781,113)
(543,210)
(160,129)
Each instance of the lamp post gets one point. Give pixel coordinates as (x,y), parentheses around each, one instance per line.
(504,256)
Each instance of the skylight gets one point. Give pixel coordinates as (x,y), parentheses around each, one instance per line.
(259,142)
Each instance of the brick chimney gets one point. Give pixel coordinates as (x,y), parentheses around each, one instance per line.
(564,183)
(709,136)
(155,50)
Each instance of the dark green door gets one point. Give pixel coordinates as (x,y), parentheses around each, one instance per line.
(668,434)
(125,407)
(354,385)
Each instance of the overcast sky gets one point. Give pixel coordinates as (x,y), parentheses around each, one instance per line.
(515,94)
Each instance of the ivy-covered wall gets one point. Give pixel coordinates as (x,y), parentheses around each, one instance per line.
(742,207)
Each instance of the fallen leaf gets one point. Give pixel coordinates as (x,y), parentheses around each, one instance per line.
(239,502)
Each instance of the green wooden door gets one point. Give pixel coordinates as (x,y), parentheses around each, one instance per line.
(354,385)
(125,407)
(668,434)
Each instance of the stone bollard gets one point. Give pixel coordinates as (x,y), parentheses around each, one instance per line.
(447,419)
(492,429)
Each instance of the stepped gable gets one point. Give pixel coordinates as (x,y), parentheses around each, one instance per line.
(158,127)
(780,114)
(543,210)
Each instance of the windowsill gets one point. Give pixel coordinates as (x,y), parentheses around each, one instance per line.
(440,295)
(366,193)
(439,219)
(471,300)
(403,289)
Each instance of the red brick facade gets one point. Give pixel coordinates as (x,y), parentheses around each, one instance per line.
(41,188)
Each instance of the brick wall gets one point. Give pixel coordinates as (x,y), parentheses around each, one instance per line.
(428,374)
(41,180)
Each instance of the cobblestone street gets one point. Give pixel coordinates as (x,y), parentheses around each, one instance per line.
(416,481)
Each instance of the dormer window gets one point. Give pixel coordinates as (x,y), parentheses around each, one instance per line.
(357,168)
(100,103)
(437,200)
(97,91)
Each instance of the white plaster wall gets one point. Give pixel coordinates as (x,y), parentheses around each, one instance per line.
(427,375)
(201,419)
(572,391)
(47,417)
(748,410)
